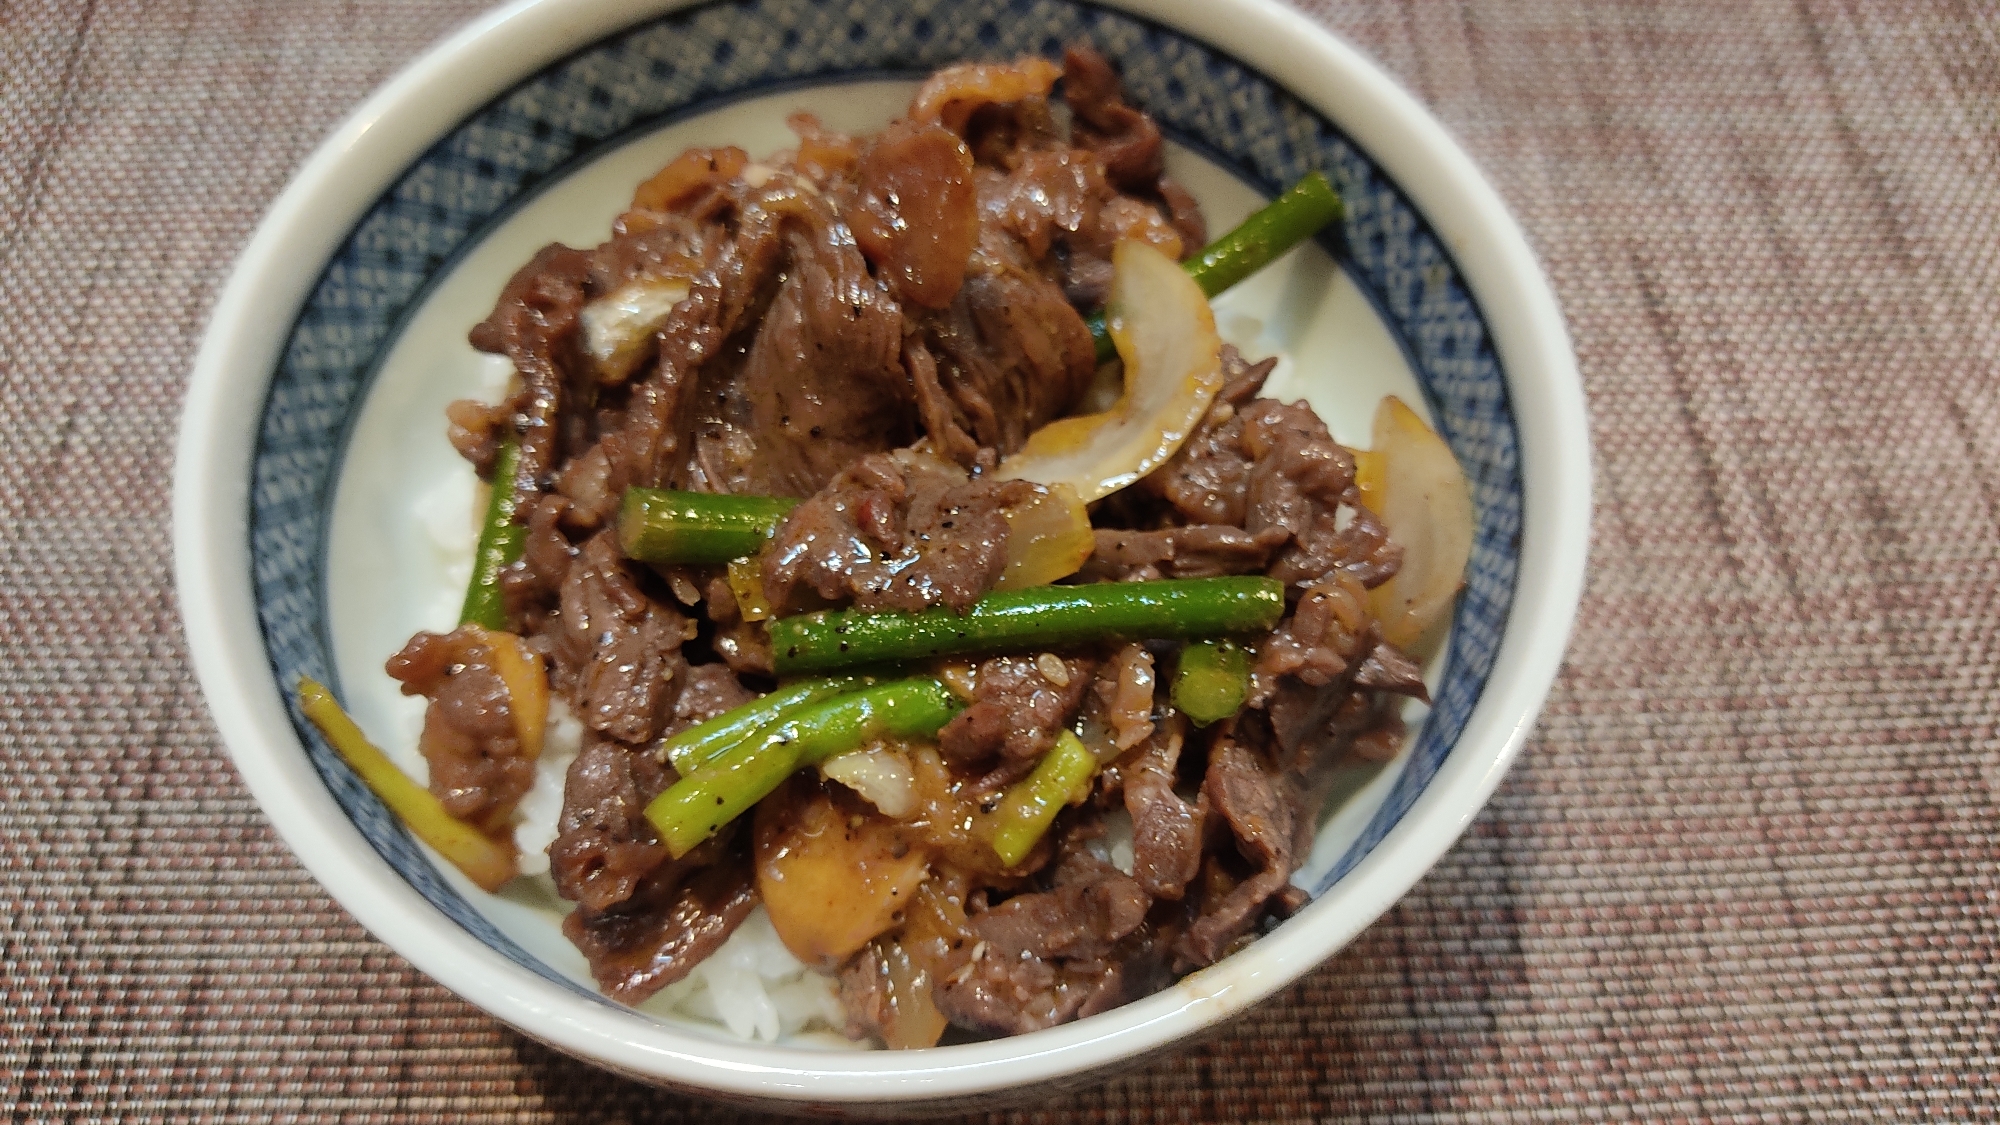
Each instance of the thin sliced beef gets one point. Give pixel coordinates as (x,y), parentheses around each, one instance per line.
(1125,139)
(691,176)
(616,648)
(824,382)
(824,154)
(1198,551)
(707,691)
(1048,198)
(1262,808)
(1017,710)
(604,844)
(1166,831)
(1129,145)
(1047,957)
(1206,480)
(1327,649)
(1272,470)
(1326,634)
(534,324)
(1083,921)
(532,586)
(1302,481)
(781,365)
(477,766)
(675,412)
(677,918)
(1306,667)
(1388,669)
(901,531)
(915,212)
(1008,356)
(952,95)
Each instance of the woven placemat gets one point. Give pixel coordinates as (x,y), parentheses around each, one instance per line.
(1748,867)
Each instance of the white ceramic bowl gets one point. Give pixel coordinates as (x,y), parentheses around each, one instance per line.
(315,394)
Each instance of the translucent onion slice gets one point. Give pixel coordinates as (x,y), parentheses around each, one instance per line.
(1048,537)
(880,775)
(1165,334)
(1411,480)
(618,327)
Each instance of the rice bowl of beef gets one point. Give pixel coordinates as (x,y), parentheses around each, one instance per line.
(1054,709)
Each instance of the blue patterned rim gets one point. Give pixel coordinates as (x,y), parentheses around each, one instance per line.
(696,59)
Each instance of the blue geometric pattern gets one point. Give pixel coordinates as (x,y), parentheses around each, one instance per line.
(690,61)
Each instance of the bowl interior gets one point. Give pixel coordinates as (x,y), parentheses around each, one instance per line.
(351,467)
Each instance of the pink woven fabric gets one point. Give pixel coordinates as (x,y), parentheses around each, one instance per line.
(1748,868)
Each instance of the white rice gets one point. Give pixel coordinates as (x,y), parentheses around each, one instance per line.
(535,818)
(451,512)
(754,987)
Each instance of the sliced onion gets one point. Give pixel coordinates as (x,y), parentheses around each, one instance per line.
(1165,334)
(1411,480)
(1048,538)
(880,775)
(618,327)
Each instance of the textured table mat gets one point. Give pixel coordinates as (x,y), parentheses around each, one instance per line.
(1747,868)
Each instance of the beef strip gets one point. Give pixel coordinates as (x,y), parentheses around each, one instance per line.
(1302,481)
(1007,356)
(824,382)
(1272,470)
(678,916)
(1263,810)
(1166,831)
(915,213)
(865,993)
(1206,480)
(1388,669)
(477,766)
(1125,139)
(902,531)
(604,844)
(1326,634)
(616,648)
(1128,142)
(1050,956)
(1016,710)
(1047,198)
(1198,551)
(707,691)
(952,95)
(688,184)
(534,324)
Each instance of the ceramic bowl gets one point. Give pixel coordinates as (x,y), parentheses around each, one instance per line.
(314,418)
